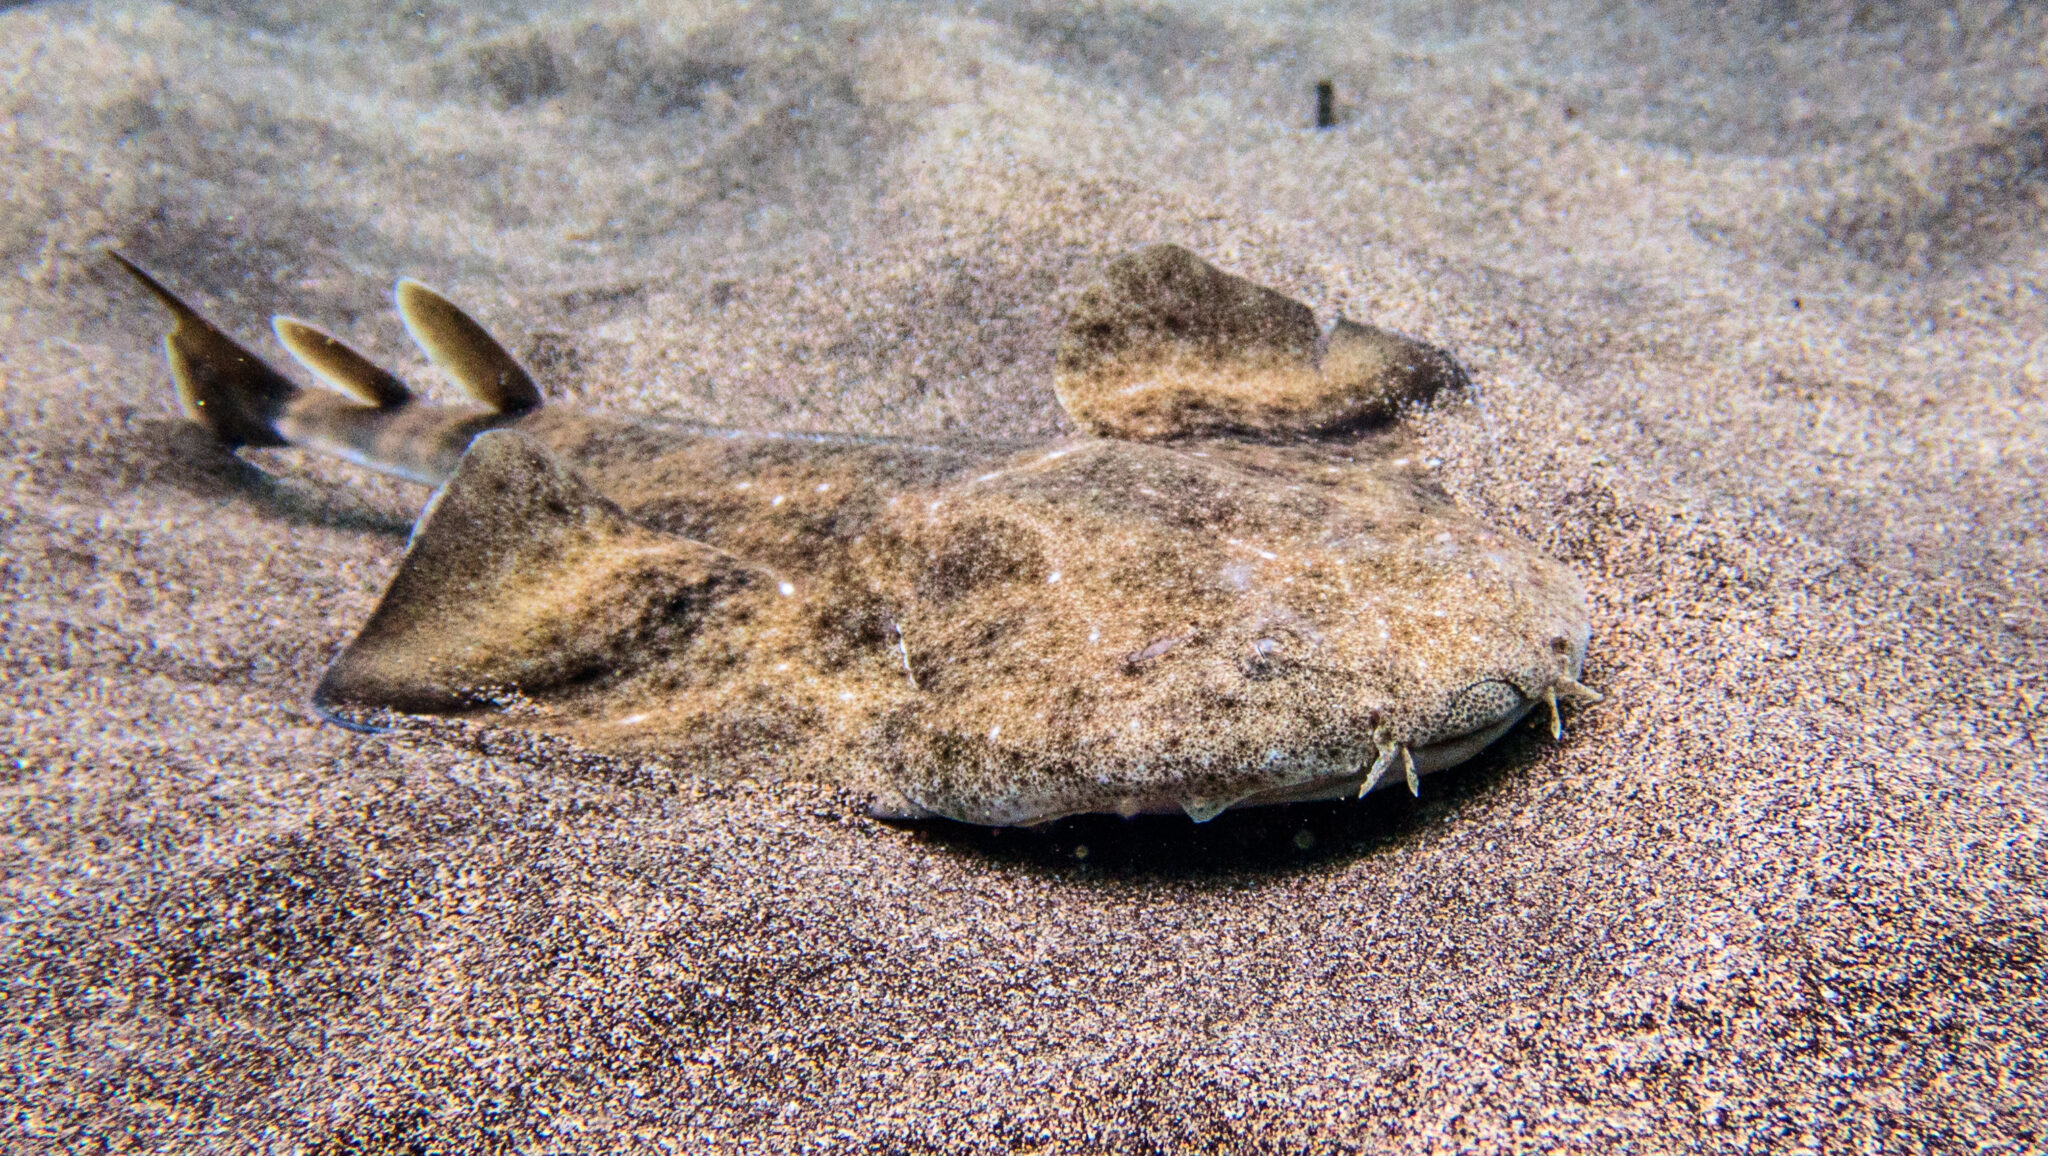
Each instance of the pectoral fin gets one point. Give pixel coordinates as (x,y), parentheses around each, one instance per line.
(522,578)
(1379,371)
(1166,345)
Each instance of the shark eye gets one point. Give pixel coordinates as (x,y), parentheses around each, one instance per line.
(1261,656)
(1158,647)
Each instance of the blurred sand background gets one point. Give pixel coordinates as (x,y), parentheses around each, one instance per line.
(1752,295)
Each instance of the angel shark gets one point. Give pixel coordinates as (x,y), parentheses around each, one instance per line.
(1235,586)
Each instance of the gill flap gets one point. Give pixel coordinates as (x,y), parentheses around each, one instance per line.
(521,578)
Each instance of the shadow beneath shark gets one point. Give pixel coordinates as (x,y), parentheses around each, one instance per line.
(184,457)
(1240,843)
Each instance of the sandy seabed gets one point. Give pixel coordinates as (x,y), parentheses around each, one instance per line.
(1752,297)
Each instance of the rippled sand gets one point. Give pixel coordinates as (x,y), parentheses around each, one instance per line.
(1752,297)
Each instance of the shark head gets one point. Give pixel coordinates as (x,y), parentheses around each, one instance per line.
(1131,628)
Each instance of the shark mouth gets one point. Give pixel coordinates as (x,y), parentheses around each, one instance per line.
(1417,760)
(1368,767)
(1373,775)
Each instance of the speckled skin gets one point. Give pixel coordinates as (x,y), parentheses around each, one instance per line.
(995,633)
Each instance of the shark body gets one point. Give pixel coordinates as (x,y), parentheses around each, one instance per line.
(1236,587)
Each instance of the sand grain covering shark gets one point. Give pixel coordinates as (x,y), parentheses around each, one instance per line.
(1236,586)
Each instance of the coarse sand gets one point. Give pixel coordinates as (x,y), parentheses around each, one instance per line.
(1751,294)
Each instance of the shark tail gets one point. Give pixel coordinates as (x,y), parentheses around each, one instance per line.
(224,387)
(366,414)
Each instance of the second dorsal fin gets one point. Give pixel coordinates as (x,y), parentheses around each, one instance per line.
(521,578)
(465,350)
(338,365)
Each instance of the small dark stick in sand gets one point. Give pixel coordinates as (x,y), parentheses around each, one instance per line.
(1326,104)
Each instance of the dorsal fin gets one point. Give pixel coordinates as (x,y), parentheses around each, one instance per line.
(338,365)
(222,386)
(522,578)
(465,350)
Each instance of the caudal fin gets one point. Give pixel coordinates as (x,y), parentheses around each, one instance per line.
(223,386)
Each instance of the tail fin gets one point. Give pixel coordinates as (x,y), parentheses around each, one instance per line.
(223,386)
